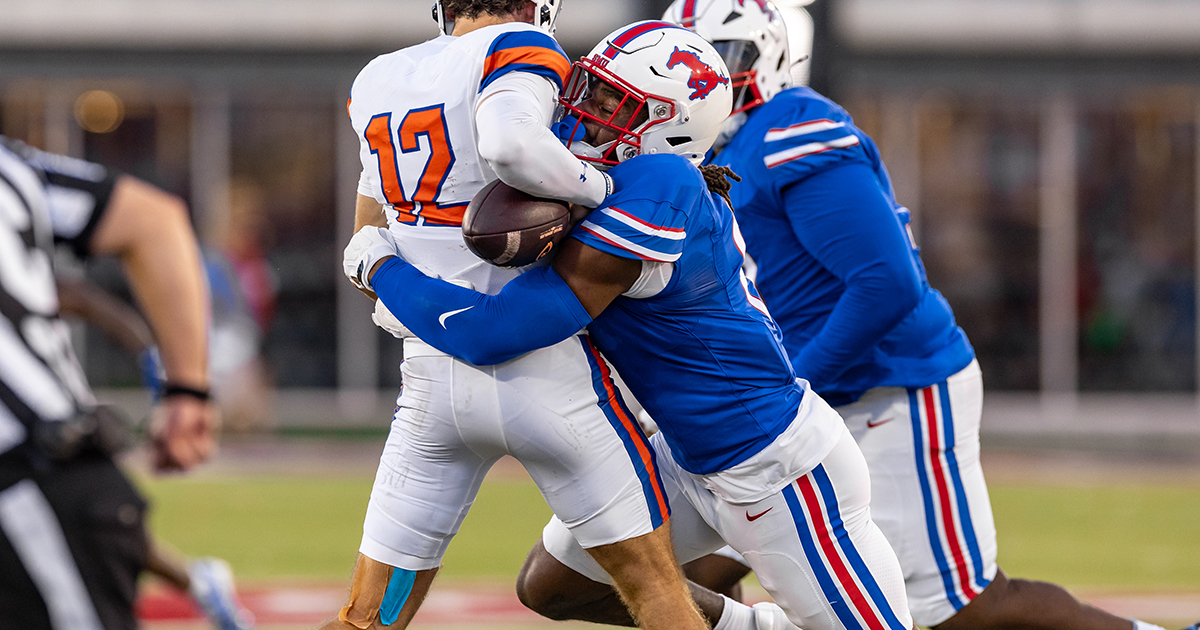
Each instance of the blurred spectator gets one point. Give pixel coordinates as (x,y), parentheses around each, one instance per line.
(241,382)
(242,288)
(242,242)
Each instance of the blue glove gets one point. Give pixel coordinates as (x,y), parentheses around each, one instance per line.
(151,369)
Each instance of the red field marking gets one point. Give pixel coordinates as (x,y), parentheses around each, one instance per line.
(494,605)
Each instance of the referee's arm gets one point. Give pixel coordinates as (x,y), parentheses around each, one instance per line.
(149,230)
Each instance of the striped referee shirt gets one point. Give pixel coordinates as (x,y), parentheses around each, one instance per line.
(44,199)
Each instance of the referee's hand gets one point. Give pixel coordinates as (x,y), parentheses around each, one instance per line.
(183,432)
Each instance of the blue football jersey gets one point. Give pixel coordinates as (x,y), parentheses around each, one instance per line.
(802,147)
(703,356)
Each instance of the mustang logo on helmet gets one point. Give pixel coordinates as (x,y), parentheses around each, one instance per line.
(704,79)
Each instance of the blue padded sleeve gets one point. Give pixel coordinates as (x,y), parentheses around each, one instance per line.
(843,217)
(535,310)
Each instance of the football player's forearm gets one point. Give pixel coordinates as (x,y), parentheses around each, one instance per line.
(150,232)
(534,310)
(513,120)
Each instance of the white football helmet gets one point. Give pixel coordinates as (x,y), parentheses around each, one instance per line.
(652,87)
(752,39)
(545,15)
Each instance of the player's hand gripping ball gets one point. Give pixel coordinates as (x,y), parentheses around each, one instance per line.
(509,228)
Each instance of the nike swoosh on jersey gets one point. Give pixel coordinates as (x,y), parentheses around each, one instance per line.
(871,424)
(448,314)
(757,516)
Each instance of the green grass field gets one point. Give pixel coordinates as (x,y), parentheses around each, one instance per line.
(306,528)
(1135,537)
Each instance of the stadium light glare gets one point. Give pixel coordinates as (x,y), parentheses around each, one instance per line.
(99,111)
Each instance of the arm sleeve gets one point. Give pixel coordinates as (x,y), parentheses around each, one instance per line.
(842,216)
(513,123)
(535,310)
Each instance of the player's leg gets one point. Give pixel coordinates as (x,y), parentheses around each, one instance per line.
(561,580)
(167,562)
(429,474)
(551,588)
(209,582)
(599,474)
(382,596)
(931,501)
(556,591)
(722,571)
(647,576)
(1013,604)
(815,549)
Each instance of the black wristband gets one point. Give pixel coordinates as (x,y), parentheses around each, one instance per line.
(171,389)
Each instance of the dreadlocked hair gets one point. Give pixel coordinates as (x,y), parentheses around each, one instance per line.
(716,179)
(471,9)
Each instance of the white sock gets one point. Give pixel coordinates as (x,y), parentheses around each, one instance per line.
(738,616)
(1138,625)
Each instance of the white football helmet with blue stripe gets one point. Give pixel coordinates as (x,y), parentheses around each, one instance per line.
(650,87)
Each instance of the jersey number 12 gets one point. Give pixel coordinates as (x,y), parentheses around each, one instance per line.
(421,206)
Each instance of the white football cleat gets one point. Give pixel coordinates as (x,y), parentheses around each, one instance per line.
(769,616)
(212,588)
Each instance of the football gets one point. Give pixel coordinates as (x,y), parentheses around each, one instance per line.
(510,228)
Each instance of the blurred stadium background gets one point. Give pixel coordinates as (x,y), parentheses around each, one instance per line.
(1048,150)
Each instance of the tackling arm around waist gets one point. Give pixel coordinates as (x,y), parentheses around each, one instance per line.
(534,310)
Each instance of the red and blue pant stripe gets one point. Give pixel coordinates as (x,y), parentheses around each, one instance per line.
(846,581)
(641,454)
(947,512)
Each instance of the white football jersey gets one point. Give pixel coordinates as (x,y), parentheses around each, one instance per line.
(414,113)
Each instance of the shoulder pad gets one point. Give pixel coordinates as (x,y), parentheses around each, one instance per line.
(525,51)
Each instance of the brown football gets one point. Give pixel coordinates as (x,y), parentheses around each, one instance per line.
(509,228)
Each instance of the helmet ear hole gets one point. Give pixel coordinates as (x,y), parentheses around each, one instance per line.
(678,140)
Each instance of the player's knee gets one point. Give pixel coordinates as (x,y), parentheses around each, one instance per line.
(998,607)
(718,574)
(544,586)
(543,601)
(535,588)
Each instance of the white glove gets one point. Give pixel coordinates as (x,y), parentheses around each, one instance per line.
(365,250)
(384,319)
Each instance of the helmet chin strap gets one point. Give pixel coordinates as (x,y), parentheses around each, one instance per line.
(445,22)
